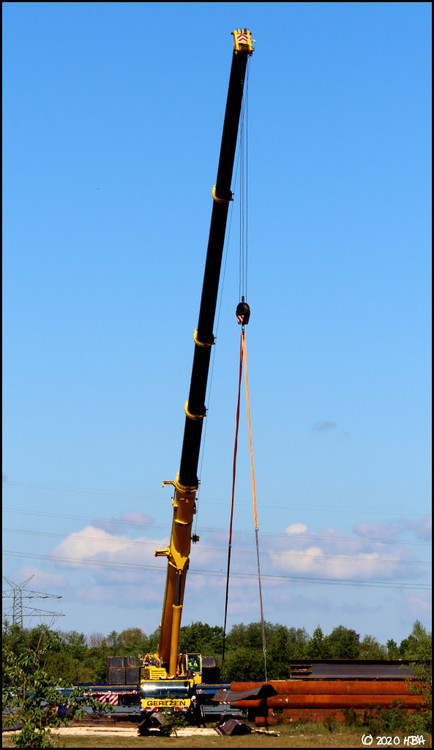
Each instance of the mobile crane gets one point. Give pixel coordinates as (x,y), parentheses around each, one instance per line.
(168,679)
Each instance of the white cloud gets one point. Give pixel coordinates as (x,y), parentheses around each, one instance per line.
(117,567)
(92,545)
(133,518)
(336,556)
(363,565)
(421,528)
(128,572)
(42,581)
(296,528)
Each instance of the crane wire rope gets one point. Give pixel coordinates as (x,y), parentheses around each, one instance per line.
(209,387)
(238,169)
(244,182)
(243,314)
(234,469)
(264,642)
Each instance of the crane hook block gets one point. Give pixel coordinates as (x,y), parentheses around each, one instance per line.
(243,313)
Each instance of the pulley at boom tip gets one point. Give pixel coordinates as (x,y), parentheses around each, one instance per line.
(243,41)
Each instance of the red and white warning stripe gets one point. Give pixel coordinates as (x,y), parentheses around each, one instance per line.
(157,708)
(109,697)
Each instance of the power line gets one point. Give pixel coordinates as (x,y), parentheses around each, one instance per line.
(212,529)
(296,553)
(305,579)
(215,501)
(18,610)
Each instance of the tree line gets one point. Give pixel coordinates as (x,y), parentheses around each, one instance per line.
(76,658)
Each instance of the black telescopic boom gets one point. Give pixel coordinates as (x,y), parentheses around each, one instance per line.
(186,482)
(195,408)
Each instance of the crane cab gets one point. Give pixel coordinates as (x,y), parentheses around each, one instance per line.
(191,666)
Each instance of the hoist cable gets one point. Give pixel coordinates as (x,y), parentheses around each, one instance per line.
(234,470)
(244,351)
(243,153)
(240,241)
(246,205)
(241,228)
(210,380)
(243,314)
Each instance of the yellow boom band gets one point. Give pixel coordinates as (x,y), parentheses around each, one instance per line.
(220,200)
(192,416)
(202,343)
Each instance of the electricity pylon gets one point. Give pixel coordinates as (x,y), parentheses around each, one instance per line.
(19,611)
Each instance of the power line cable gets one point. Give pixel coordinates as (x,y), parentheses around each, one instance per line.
(215,530)
(213,500)
(18,610)
(296,553)
(221,574)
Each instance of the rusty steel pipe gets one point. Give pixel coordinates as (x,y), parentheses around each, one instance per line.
(318,714)
(252,703)
(266,721)
(289,715)
(239,687)
(330,687)
(339,701)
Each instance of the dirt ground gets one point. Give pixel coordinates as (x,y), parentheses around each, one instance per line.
(197,738)
(130,731)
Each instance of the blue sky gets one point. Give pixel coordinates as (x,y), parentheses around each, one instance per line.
(112,119)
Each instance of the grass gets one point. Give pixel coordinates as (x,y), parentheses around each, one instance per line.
(303,735)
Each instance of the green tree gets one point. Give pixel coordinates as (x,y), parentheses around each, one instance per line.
(28,693)
(254,634)
(278,658)
(243,664)
(236,638)
(171,721)
(418,645)
(393,651)
(201,638)
(131,640)
(317,647)
(70,659)
(96,662)
(95,640)
(298,639)
(370,648)
(343,643)
(113,640)
(151,642)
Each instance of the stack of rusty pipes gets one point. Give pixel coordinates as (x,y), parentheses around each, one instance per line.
(319,699)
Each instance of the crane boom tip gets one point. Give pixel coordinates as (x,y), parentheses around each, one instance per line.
(243,41)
